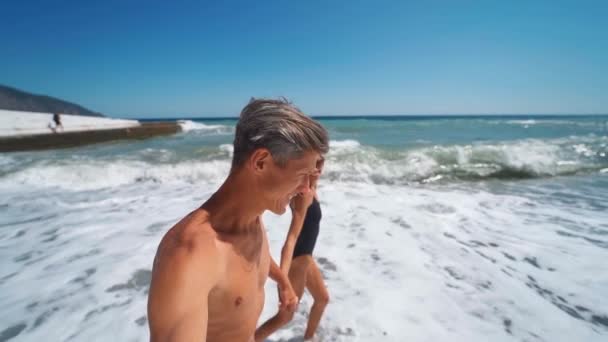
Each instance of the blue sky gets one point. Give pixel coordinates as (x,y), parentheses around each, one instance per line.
(192,58)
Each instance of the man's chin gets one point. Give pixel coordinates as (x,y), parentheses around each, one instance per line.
(279,211)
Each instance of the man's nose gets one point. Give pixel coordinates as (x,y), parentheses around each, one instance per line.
(305,186)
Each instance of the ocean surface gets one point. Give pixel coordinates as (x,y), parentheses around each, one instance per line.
(434,229)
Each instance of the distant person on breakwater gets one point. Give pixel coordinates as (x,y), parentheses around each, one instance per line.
(56,124)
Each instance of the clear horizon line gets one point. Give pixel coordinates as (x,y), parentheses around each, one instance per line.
(331,116)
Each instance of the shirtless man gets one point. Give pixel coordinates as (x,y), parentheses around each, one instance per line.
(210,268)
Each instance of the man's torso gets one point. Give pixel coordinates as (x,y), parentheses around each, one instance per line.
(236,302)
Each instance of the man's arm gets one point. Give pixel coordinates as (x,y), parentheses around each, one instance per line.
(287,296)
(276,274)
(182,278)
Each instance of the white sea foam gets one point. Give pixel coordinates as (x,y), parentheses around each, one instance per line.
(552,122)
(229,148)
(344,144)
(91,175)
(522,122)
(189,125)
(347,161)
(583,149)
(515,159)
(435,264)
(443,260)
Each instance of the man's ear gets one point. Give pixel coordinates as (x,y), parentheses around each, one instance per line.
(259,160)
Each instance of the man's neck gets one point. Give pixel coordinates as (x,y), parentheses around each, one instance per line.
(232,208)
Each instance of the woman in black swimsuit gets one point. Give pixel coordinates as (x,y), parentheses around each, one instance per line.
(298,263)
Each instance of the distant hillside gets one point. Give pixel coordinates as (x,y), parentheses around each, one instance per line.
(15,99)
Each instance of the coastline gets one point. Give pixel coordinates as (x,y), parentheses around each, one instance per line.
(82,138)
(24,131)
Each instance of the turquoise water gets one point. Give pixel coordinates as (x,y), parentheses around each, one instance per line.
(443,228)
(446,147)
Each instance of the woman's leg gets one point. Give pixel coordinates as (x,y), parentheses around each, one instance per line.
(316,287)
(297,276)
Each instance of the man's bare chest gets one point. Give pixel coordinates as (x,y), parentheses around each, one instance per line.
(241,287)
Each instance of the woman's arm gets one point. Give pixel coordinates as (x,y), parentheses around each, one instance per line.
(297,220)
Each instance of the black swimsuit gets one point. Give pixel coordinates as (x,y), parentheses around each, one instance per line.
(310,230)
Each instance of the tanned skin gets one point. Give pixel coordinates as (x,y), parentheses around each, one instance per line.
(210,268)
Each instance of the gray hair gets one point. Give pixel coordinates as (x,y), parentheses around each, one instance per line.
(280,127)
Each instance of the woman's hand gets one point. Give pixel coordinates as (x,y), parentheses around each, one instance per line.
(300,203)
(287,297)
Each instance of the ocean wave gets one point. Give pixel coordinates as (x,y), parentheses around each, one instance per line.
(96,174)
(344,144)
(189,125)
(347,161)
(554,122)
(6,159)
(522,122)
(521,159)
(228,148)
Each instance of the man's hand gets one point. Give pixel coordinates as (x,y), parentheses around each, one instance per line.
(287,297)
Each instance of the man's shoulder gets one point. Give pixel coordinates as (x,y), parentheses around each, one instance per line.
(194,227)
(191,241)
(186,268)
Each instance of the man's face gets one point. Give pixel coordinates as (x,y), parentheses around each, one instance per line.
(285,182)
